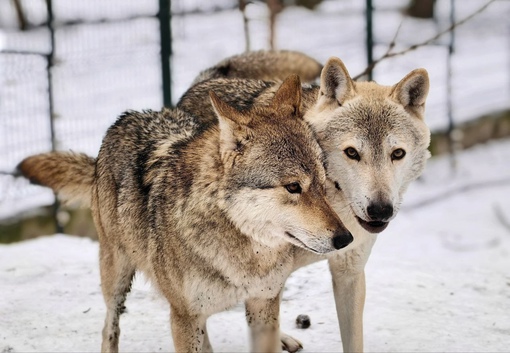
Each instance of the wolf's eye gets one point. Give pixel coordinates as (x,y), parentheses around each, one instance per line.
(399,153)
(352,153)
(293,188)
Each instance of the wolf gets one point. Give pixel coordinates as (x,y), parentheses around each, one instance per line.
(375,141)
(212,215)
(261,64)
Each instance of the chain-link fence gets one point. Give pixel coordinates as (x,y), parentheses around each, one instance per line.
(67,75)
(65,78)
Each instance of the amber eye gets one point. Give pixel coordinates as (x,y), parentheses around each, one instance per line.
(294,188)
(399,153)
(352,153)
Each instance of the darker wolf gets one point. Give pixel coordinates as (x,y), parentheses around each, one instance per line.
(375,141)
(213,215)
(265,65)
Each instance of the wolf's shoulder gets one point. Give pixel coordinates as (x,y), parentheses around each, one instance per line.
(237,92)
(168,125)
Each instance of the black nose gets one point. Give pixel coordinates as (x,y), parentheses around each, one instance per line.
(342,238)
(380,211)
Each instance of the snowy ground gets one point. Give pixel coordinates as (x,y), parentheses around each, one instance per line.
(438,280)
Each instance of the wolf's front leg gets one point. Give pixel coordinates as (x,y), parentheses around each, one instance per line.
(264,322)
(349,291)
(188,331)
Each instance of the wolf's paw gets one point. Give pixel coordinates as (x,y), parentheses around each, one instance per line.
(290,344)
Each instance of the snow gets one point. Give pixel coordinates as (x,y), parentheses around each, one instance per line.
(438,280)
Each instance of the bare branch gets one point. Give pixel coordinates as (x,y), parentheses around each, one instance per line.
(242,7)
(501,217)
(7,173)
(453,244)
(456,191)
(389,54)
(20,13)
(394,40)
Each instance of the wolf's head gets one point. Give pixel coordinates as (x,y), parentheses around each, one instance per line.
(374,137)
(274,177)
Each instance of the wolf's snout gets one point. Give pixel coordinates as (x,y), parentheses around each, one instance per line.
(342,238)
(380,211)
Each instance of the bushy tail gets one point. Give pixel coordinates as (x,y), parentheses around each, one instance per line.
(265,65)
(70,175)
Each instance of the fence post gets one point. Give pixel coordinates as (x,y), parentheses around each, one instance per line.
(452,139)
(50,58)
(165,17)
(369,37)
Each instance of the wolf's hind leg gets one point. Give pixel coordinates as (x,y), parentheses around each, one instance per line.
(264,322)
(116,276)
(188,330)
(289,343)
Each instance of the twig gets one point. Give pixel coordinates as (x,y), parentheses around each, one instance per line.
(14,174)
(501,217)
(453,192)
(242,8)
(20,14)
(455,245)
(394,40)
(389,54)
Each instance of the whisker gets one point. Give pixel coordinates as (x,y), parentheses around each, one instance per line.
(346,206)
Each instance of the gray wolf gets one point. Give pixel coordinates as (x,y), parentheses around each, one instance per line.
(375,141)
(264,65)
(212,215)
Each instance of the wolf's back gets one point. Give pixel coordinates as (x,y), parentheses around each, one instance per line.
(265,65)
(70,175)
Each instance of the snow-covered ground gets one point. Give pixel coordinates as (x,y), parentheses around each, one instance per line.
(438,280)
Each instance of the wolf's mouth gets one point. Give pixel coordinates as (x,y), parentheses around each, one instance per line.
(298,242)
(373,226)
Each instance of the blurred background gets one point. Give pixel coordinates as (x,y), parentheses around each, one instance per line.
(68,68)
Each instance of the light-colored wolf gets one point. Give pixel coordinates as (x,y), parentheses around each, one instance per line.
(375,141)
(212,215)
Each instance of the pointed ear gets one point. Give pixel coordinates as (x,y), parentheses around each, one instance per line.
(232,125)
(335,81)
(412,90)
(288,97)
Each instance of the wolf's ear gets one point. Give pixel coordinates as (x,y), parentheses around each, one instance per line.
(335,81)
(232,125)
(287,99)
(412,90)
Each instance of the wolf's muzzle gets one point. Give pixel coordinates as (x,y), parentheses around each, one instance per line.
(342,238)
(380,211)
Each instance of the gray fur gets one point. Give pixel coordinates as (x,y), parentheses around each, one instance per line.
(264,65)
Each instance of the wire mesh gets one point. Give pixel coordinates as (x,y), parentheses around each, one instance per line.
(107,59)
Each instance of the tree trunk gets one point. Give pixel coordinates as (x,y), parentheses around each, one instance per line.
(421,8)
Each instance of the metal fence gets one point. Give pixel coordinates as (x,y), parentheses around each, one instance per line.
(67,76)
(78,64)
